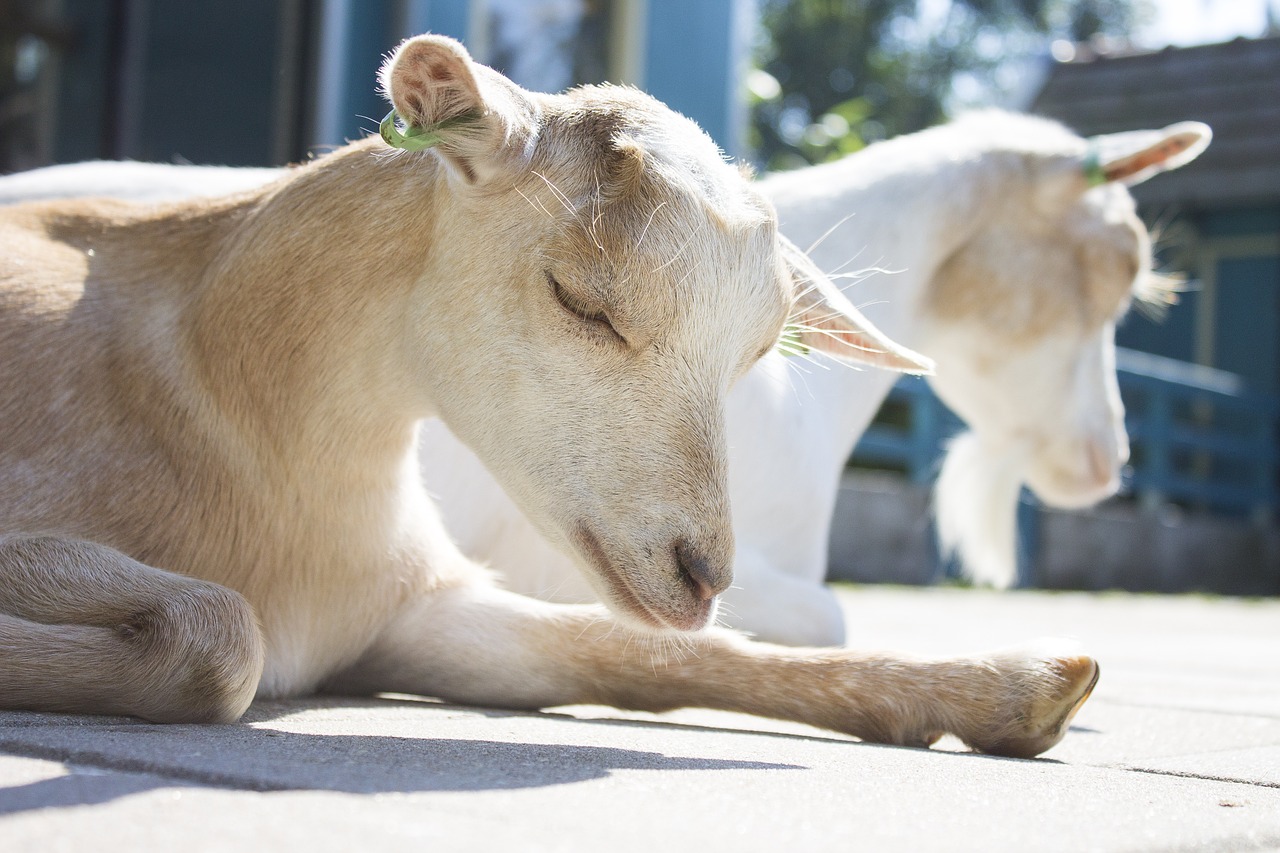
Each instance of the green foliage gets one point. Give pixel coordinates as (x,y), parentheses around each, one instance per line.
(850,72)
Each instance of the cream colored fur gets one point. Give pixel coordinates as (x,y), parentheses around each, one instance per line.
(209,487)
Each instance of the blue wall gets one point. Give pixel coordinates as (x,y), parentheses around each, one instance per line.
(205,90)
(689,57)
(1247,320)
(1246,334)
(208,86)
(1246,309)
(445,17)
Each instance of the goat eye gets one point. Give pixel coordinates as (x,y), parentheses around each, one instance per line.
(592,316)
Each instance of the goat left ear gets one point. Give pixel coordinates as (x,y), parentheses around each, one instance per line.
(1137,155)
(822,319)
(477,121)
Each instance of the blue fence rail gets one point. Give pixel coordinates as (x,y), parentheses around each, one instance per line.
(1199,436)
(912,436)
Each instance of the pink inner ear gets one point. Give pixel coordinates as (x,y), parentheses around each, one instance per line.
(429,81)
(840,336)
(830,324)
(1147,158)
(430,68)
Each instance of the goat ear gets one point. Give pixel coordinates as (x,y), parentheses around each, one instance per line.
(1137,155)
(478,120)
(822,319)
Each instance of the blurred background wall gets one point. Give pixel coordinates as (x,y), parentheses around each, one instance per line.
(263,82)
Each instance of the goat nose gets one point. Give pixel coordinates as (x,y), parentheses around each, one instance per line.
(1122,450)
(706,576)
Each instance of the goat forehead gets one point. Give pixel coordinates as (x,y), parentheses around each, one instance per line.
(622,144)
(651,212)
(739,284)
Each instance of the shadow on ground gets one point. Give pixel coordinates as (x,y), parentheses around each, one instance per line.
(111,757)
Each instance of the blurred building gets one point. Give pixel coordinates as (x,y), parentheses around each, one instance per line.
(263,82)
(1221,213)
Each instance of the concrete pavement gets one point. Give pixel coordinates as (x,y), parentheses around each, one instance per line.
(1179,749)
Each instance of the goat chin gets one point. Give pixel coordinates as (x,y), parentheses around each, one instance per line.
(976,506)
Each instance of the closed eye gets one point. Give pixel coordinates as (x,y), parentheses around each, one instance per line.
(594,317)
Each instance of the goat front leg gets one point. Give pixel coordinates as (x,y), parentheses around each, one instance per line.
(86,629)
(479,645)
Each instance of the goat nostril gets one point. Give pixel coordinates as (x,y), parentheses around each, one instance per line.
(698,572)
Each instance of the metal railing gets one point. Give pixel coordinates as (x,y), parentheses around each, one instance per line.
(1199,436)
(909,432)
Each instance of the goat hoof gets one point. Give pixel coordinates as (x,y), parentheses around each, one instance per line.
(1046,716)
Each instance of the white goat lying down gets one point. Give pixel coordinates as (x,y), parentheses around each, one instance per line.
(1011,264)
(209,485)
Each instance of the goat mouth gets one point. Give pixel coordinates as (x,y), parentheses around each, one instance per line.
(1072,492)
(623,598)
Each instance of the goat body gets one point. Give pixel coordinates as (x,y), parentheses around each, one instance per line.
(210,489)
(981,243)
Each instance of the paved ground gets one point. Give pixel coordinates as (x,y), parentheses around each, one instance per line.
(1179,749)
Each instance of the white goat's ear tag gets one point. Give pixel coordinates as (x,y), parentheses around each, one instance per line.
(1135,156)
(823,320)
(791,341)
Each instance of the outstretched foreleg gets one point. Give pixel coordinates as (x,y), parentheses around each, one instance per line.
(479,645)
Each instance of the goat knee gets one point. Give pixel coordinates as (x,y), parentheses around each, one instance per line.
(204,655)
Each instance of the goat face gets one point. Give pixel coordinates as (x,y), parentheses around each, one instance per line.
(594,380)
(1028,357)
(633,276)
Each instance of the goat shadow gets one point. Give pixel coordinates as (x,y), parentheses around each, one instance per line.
(108,758)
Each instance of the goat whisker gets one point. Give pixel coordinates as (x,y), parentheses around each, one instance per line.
(676,256)
(644,231)
(825,234)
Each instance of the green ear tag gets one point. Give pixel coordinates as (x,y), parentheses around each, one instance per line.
(416,138)
(1094,175)
(789,343)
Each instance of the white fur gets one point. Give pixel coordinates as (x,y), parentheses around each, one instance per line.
(999,192)
(126,179)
